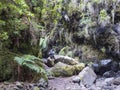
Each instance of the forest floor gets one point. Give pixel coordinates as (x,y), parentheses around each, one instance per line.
(66,83)
(63,83)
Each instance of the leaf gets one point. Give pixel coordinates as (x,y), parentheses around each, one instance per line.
(41,42)
(32,62)
(19,60)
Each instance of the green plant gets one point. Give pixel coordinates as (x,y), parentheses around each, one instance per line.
(43,44)
(31,62)
(104,17)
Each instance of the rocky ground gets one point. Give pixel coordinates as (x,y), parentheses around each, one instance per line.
(71,75)
(100,84)
(65,83)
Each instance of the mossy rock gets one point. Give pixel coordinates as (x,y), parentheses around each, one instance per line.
(79,67)
(61,69)
(90,54)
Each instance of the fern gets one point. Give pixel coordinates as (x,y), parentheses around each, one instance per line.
(31,62)
(43,43)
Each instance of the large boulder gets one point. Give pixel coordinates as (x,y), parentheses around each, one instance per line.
(60,58)
(61,69)
(87,76)
(105,65)
(65,59)
(78,67)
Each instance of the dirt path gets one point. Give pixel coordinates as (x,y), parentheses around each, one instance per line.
(63,83)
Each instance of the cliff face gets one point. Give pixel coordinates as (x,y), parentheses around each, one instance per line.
(95,23)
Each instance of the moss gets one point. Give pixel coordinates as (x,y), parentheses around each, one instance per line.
(61,69)
(90,54)
(64,71)
(79,67)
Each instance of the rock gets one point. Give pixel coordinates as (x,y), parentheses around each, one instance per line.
(116,81)
(6,83)
(100,82)
(96,67)
(61,69)
(118,74)
(87,76)
(65,59)
(76,79)
(19,85)
(45,66)
(94,88)
(50,62)
(31,85)
(109,74)
(115,66)
(44,60)
(36,88)
(118,88)
(107,88)
(105,65)
(42,83)
(15,88)
(78,67)
(108,80)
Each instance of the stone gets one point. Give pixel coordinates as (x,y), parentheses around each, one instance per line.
(109,74)
(108,81)
(76,79)
(78,67)
(115,66)
(118,74)
(96,67)
(15,88)
(19,85)
(42,83)
(100,82)
(105,65)
(107,88)
(65,59)
(36,88)
(87,76)
(116,81)
(61,69)
(118,88)
(50,62)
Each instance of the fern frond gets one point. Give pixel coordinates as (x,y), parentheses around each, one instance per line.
(32,62)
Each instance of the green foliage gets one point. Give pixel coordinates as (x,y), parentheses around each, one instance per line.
(50,11)
(65,51)
(43,43)
(62,51)
(103,15)
(6,65)
(3,36)
(31,62)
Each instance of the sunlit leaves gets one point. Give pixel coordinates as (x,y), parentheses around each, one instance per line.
(43,43)
(3,36)
(104,16)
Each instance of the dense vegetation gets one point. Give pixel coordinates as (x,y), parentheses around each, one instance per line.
(30,28)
